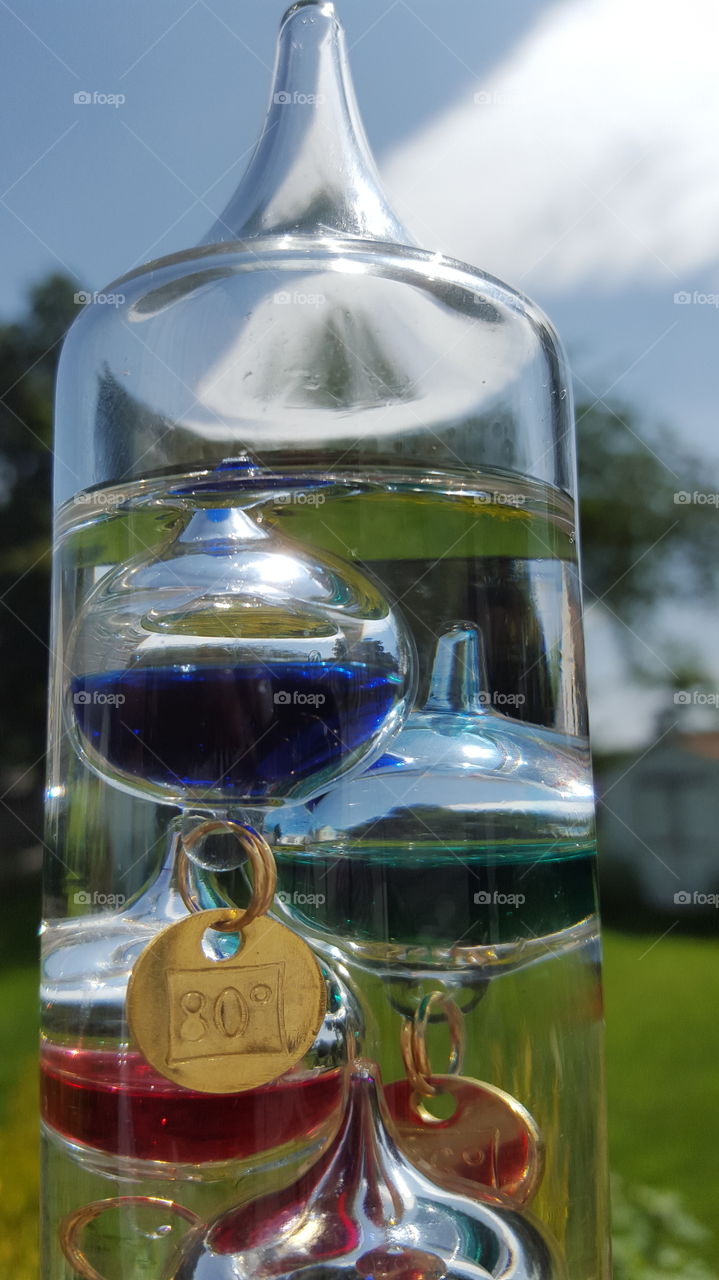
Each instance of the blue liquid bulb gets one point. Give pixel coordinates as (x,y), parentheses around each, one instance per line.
(251,729)
(236,667)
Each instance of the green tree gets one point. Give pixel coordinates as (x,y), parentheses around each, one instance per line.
(642,541)
(637,540)
(29,350)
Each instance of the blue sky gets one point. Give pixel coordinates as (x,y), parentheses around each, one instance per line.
(98,189)
(568,147)
(111,181)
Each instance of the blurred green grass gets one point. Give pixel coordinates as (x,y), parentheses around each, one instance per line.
(662,1002)
(662,1053)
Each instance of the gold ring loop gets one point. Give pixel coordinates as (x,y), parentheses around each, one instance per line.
(74,1224)
(413,1041)
(261,859)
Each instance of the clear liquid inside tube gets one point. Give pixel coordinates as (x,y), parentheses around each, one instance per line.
(460,859)
(316,574)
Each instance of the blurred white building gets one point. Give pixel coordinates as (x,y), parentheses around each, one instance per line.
(659,819)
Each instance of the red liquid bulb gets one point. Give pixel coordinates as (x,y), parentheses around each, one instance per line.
(116,1103)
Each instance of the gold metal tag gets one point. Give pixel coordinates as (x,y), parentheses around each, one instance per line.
(490,1143)
(222,1026)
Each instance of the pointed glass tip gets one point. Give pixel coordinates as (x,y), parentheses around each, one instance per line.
(312,171)
(325,7)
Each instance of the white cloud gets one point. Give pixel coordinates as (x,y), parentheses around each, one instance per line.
(593,160)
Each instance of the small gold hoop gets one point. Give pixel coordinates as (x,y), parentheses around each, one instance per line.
(74,1224)
(261,859)
(413,1041)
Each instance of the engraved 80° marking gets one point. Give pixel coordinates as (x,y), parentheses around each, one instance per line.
(229,1013)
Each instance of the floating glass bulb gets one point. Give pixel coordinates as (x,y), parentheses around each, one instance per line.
(124,1119)
(236,666)
(99,1093)
(363,1212)
(460,757)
